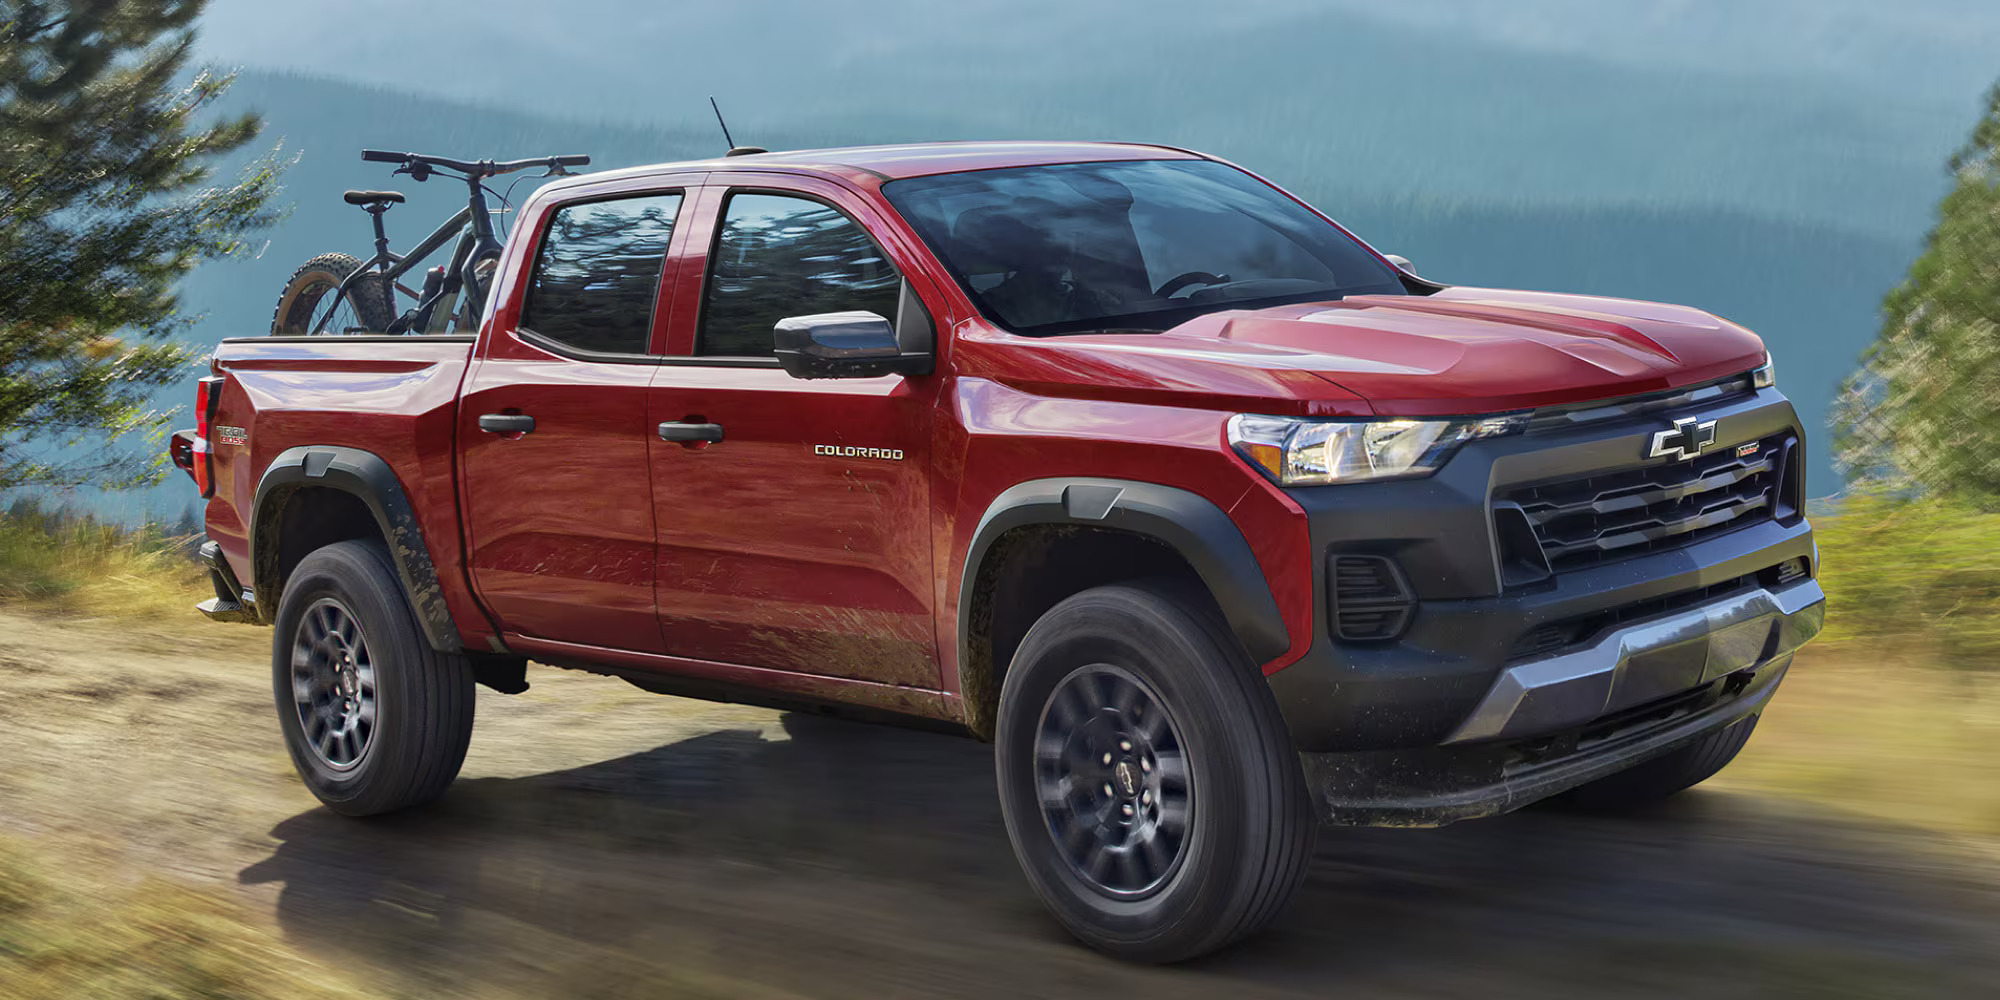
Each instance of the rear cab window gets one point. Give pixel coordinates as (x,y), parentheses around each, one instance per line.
(596,281)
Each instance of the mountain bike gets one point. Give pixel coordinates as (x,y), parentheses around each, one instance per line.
(337,293)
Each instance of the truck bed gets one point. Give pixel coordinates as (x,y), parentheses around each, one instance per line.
(394,396)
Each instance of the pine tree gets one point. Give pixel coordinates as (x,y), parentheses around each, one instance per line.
(107,151)
(1924,411)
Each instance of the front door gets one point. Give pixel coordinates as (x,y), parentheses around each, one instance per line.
(554,425)
(801,540)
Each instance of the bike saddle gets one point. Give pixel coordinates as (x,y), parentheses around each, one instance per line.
(372,198)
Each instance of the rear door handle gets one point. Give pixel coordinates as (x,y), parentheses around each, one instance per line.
(691,432)
(506,423)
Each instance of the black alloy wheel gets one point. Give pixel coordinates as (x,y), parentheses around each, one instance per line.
(1146,777)
(1114,782)
(374,718)
(333,685)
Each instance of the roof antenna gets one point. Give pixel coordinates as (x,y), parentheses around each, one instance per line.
(734,149)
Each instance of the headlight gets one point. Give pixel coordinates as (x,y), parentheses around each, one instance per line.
(1303,452)
(1763,376)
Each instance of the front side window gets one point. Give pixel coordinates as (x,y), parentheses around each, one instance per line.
(777,256)
(1139,245)
(598,273)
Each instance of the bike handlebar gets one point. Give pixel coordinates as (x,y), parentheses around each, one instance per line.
(473,168)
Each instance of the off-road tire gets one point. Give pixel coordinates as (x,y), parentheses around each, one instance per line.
(1250,827)
(423,699)
(305,295)
(1664,776)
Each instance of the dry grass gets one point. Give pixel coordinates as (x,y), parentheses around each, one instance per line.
(79,568)
(64,935)
(1871,729)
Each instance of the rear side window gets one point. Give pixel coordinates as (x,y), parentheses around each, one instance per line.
(598,273)
(777,256)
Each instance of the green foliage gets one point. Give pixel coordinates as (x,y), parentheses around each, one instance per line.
(1920,413)
(106,201)
(1924,571)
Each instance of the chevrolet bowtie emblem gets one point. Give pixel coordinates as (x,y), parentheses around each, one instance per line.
(1686,440)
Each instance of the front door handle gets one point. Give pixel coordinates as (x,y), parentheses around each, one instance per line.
(506,423)
(684,433)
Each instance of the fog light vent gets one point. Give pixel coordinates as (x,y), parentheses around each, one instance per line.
(1791,569)
(1371,601)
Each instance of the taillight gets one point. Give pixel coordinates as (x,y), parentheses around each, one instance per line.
(206,394)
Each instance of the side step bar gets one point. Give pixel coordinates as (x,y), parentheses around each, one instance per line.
(232,602)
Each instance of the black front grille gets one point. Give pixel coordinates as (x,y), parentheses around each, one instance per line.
(1556,636)
(1616,515)
(1552,637)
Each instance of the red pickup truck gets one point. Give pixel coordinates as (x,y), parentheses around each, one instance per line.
(1215,521)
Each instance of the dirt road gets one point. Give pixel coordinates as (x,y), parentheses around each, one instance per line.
(607,842)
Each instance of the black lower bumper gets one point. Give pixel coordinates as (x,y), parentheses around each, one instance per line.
(1441,785)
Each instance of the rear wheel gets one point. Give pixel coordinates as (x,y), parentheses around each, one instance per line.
(1661,777)
(1148,783)
(367,307)
(375,719)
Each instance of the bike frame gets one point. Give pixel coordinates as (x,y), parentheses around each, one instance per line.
(473,225)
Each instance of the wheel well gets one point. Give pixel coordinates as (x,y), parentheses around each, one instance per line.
(1033,568)
(299,521)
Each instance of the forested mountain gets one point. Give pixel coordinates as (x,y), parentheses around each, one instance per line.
(1832,111)
(1811,290)
(1775,161)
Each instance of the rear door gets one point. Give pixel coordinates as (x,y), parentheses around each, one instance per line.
(554,423)
(801,540)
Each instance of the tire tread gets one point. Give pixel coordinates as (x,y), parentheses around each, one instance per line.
(371,297)
(434,693)
(1268,878)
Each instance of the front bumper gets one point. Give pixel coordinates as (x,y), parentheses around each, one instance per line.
(1659,622)
(1642,663)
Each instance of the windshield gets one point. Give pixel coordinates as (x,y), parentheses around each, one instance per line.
(1140,245)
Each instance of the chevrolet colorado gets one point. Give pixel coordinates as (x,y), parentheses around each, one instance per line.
(1216,522)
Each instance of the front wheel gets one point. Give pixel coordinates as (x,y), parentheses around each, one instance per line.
(367,308)
(1147,780)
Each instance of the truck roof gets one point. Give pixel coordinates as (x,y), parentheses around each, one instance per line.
(883,163)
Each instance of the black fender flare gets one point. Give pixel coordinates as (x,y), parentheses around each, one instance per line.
(1188,523)
(370,479)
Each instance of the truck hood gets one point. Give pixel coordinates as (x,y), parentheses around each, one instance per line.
(1460,351)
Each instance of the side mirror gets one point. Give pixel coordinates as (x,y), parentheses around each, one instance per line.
(1401,261)
(843,345)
